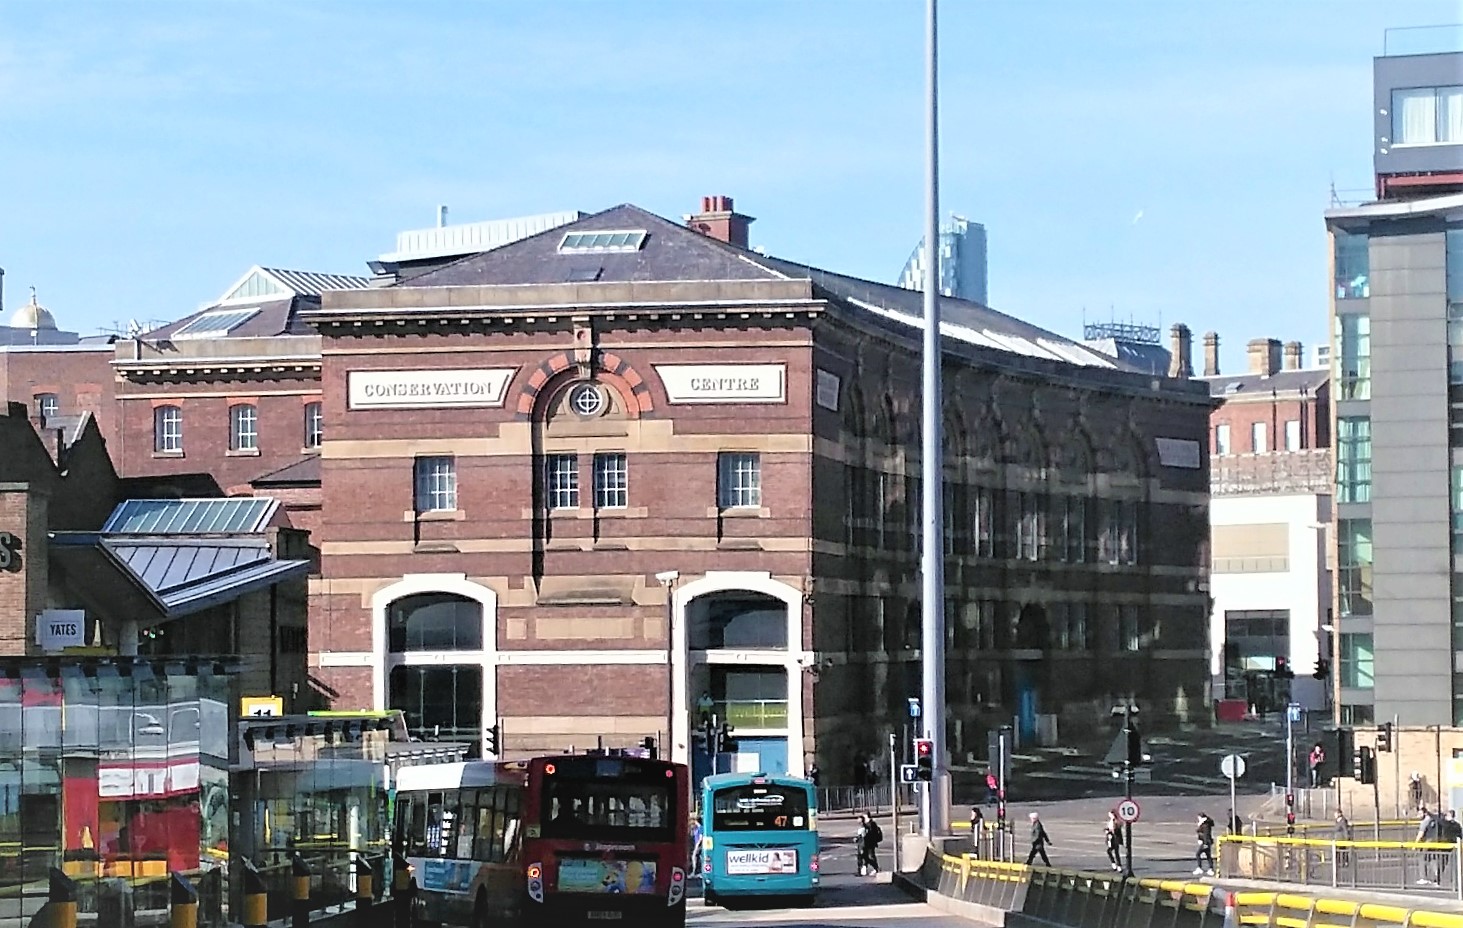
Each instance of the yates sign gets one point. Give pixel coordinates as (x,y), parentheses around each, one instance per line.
(9,551)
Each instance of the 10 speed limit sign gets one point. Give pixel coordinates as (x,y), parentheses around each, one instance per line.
(1128,811)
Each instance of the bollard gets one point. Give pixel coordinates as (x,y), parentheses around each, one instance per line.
(301,894)
(256,897)
(182,903)
(401,890)
(365,890)
(62,900)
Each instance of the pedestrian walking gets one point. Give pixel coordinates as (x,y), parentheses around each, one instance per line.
(1039,840)
(977,829)
(1451,831)
(1342,832)
(992,787)
(815,774)
(1317,758)
(696,842)
(870,836)
(1414,791)
(1113,840)
(1429,830)
(1204,856)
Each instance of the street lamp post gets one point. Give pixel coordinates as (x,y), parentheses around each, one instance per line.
(668,580)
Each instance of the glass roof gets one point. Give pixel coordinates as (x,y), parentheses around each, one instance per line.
(234,516)
(575,243)
(213,325)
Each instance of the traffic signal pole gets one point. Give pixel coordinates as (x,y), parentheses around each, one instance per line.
(1128,776)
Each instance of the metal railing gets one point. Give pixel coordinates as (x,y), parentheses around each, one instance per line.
(1404,866)
(853,798)
(1396,830)
(1309,470)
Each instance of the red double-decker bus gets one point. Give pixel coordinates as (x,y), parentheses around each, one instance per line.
(586,838)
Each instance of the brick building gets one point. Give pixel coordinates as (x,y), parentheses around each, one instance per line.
(1271,481)
(57,374)
(537,458)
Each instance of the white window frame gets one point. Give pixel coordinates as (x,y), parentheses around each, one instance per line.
(611,480)
(1260,437)
(561,481)
(44,400)
(1292,435)
(434,483)
(243,427)
(167,429)
(1221,438)
(1440,122)
(314,424)
(739,480)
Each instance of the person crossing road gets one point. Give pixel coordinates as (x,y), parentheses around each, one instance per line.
(1039,840)
(1204,855)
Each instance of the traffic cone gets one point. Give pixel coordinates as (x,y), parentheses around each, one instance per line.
(1231,917)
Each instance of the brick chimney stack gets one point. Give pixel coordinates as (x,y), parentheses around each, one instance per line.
(1294,351)
(1181,362)
(1211,354)
(720,220)
(1264,355)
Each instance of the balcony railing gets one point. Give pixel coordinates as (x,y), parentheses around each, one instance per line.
(1309,471)
(753,713)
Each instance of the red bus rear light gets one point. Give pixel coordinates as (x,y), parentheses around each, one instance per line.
(549,769)
(669,774)
(534,871)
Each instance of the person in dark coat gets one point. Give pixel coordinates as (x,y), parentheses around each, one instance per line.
(1113,839)
(1039,840)
(1204,856)
(870,836)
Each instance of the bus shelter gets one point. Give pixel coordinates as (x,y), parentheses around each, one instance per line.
(114,770)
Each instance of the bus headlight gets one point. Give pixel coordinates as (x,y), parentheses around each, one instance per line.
(535,874)
(678,886)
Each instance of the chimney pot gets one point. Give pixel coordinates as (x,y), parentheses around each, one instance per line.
(1293,354)
(1211,354)
(1264,355)
(720,221)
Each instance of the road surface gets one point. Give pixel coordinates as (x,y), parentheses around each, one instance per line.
(847,901)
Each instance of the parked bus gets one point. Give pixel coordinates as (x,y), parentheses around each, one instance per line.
(759,838)
(548,841)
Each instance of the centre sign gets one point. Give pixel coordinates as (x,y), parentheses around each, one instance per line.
(425,389)
(724,383)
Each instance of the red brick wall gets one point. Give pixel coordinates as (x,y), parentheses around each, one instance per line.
(82,381)
(614,690)
(281,427)
(1313,414)
(23,585)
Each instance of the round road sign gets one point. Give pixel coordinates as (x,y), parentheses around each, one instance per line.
(1128,811)
(1233,766)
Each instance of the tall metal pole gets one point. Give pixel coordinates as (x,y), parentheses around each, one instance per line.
(1290,755)
(1128,776)
(935,798)
(894,798)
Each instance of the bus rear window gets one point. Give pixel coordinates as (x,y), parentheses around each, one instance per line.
(759,808)
(607,809)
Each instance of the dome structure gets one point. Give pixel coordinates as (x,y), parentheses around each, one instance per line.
(33,315)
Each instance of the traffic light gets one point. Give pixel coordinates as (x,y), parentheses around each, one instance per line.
(1323,669)
(924,759)
(1282,668)
(726,744)
(1135,746)
(1290,813)
(1384,738)
(490,738)
(649,745)
(1340,744)
(1364,765)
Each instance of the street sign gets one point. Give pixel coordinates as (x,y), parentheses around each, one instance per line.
(1128,811)
(913,708)
(1232,766)
(908,773)
(1292,712)
(261,706)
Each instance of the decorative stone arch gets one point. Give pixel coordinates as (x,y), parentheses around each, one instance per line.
(886,428)
(955,435)
(1075,459)
(454,584)
(549,378)
(855,423)
(794,659)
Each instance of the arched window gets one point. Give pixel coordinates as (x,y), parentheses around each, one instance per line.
(167,429)
(434,622)
(48,405)
(737,620)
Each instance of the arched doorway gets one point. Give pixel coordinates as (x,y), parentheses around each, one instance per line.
(742,635)
(434,639)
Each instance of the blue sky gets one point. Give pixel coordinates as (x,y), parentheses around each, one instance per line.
(151,152)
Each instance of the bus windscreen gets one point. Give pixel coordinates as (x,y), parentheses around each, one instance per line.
(755,807)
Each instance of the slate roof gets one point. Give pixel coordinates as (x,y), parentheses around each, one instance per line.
(1237,385)
(672,252)
(275,317)
(304,472)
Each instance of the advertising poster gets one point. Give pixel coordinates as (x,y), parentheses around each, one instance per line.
(771,861)
(616,877)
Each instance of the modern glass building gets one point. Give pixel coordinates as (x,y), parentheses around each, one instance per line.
(962,262)
(1397,321)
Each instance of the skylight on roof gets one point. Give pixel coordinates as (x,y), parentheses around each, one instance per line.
(583,243)
(216,324)
(231,516)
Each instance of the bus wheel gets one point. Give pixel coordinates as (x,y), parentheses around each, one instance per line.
(708,897)
(480,911)
(676,917)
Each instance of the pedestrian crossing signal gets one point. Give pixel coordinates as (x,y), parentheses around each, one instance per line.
(924,759)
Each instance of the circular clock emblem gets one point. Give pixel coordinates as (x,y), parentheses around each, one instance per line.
(587,400)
